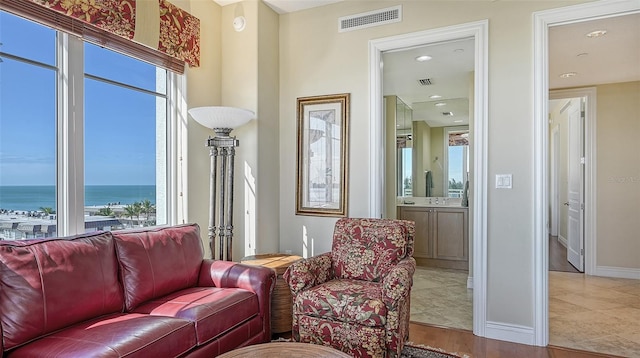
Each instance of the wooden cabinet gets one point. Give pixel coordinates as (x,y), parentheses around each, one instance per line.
(442,235)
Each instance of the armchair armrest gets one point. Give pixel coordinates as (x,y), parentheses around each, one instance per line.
(397,283)
(306,273)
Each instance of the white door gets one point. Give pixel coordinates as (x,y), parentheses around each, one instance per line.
(575,232)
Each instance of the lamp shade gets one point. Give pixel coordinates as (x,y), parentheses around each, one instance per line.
(221,117)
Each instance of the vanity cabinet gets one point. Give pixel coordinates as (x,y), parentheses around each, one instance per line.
(442,235)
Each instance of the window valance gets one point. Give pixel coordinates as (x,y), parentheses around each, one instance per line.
(152,30)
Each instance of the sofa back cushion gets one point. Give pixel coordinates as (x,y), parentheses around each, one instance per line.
(155,262)
(366,249)
(49,284)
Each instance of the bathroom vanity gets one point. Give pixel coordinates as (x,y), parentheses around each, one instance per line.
(442,231)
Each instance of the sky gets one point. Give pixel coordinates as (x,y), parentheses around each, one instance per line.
(120,125)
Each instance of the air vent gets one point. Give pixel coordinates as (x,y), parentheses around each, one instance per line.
(370,19)
(425,81)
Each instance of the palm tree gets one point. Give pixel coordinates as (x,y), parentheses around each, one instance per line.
(130,211)
(138,210)
(147,208)
(107,211)
(46,211)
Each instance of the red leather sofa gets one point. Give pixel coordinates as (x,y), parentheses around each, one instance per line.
(141,293)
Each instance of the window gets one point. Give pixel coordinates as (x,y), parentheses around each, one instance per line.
(83,135)
(457,159)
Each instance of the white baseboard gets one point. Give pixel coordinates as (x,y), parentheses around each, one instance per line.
(470,282)
(510,333)
(562,240)
(618,272)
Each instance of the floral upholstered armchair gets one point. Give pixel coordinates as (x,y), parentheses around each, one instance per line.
(356,297)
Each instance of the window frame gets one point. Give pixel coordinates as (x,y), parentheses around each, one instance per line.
(69,145)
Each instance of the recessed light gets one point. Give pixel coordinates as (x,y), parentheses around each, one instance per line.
(568,75)
(584,54)
(596,33)
(435,96)
(440,104)
(447,113)
(423,58)
(458,50)
(458,121)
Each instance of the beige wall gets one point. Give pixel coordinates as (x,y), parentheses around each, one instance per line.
(618,175)
(203,89)
(315,59)
(422,153)
(238,69)
(437,166)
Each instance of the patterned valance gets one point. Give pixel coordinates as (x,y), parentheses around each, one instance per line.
(161,25)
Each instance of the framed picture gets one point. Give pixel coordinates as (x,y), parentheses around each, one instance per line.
(323,132)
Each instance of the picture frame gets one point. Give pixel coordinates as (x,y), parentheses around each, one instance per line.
(322,155)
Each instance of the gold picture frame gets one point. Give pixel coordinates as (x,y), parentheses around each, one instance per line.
(323,132)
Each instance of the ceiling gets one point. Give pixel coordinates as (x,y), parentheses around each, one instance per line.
(614,57)
(286,6)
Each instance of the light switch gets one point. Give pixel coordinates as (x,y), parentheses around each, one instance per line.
(503,181)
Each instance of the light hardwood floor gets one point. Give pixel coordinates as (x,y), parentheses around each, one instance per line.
(464,343)
(588,313)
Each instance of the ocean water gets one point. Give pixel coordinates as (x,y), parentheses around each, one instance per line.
(34,197)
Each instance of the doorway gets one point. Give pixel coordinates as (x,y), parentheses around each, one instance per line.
(543,21)
(477,195)
(571,180)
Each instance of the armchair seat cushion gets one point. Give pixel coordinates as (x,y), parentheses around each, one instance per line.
(213,310)
(117,335)
(344,300)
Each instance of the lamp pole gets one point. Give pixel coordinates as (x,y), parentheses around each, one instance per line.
(222,149)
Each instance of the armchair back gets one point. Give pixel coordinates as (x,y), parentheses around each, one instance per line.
(366,249)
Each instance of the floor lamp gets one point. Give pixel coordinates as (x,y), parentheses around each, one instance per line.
(221,151)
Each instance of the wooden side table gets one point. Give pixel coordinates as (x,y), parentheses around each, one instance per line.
(281,301)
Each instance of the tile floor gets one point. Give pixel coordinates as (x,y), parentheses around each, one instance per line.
(441,297)
(585,312)
(594,313)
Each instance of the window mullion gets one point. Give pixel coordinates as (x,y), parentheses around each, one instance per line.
(70,135)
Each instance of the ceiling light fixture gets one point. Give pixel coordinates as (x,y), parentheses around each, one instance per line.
(435,96)
(568,75)
(423,58)
(458,121)
(440,104)
(584,54)
(458,50)
(596,33)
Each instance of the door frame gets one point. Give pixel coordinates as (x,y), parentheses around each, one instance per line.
(542,21)
(479,30)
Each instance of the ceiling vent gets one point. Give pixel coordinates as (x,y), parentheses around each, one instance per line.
(425,82)
(370,19)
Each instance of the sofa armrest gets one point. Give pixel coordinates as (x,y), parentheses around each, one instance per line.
(396,284)
(306,273)
(257,279)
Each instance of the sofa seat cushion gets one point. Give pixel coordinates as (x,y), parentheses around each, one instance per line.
(157,261)
(118,335)
(47,285)
(213,310)
(350,301)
